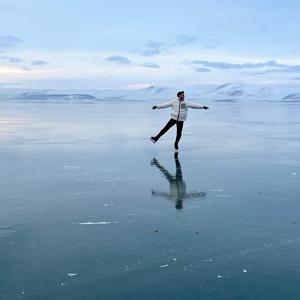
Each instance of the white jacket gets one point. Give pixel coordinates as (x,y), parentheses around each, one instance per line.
(179,112)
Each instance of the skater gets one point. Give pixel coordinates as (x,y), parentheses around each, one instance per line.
(178,116)
(177,186)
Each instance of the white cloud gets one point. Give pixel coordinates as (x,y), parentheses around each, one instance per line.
(184,39)
(9,41)
(118,59)
(152,48)
(39,63)
(11,59)
(150,65)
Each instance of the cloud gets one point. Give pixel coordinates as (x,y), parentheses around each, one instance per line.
(183,39)
(153,48)
(292,69)
(7,84)
(11,59)
(180,40)
(150,65)
(39,62)
(203,70)
(282,69)
(209,44)
(8,7)
(288,69)
(9,41)
(270,66)
(24,68)
(231,66)
(118,59)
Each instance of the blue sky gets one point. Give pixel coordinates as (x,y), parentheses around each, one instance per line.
(132,44)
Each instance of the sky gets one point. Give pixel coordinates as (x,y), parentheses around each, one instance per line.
(95,44)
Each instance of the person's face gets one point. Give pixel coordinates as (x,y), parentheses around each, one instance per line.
(181,97)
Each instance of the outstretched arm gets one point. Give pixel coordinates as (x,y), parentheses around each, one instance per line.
(195,195)
(163,105)
(160,194)
(196,106)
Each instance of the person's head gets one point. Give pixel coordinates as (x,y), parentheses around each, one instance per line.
(180,95)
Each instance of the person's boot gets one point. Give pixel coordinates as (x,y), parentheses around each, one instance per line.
(153,139)
(154,161)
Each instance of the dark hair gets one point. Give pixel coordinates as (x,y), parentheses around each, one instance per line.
(179,93)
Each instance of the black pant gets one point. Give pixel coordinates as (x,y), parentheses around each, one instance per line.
(171,123)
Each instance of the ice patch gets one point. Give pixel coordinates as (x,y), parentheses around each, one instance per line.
(110,182)
(244,270)
(223,196)
(217,190)
(219,276)
(94,223)
(70,167)
(164,266)
(72,274)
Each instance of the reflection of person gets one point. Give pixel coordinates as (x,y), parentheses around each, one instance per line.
(177,185)
(178,116)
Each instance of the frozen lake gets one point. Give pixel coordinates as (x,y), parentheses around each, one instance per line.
(88,213)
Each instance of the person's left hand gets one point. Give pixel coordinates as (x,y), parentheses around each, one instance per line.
(205,107)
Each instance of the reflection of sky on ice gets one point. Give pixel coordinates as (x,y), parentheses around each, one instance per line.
(77,198)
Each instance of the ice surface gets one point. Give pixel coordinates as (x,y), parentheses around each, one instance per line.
(233,206)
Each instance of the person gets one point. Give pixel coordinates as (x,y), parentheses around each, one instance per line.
(178,116)
(177,185)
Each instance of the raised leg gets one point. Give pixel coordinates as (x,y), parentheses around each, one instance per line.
(164,171)
(171,123)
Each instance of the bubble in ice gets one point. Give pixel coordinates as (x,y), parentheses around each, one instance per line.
(217,190)
(95,223)
(223,196)
(164,266)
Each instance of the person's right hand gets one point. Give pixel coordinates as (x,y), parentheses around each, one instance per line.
(154,107)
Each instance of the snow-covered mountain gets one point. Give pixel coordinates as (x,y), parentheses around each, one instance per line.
(240,91)
(225,92)
(152,92)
